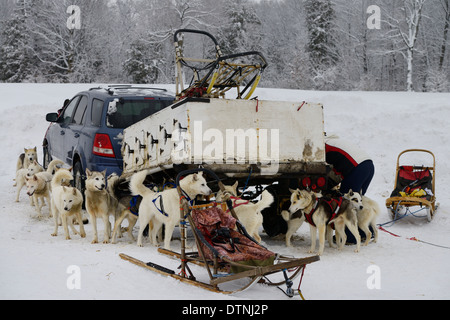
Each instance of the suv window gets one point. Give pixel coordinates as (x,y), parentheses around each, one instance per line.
(127,112)
(81,110)
(66,116)
(96,112)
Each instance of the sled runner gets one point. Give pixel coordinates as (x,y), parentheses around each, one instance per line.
(414,188)
(233,261)
(212,73)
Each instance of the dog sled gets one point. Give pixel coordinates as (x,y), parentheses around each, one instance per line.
(414,189)
(232,260)
(213,73)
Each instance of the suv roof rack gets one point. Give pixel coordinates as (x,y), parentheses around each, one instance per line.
(111,89)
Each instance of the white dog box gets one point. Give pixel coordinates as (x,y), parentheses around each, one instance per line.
(229,136)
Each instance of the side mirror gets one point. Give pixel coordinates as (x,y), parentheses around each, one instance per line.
(52,117)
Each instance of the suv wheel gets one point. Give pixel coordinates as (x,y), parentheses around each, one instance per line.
(47,158)
(78,177)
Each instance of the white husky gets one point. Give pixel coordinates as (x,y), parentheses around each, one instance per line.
(26,158)
(100,203)
(24,174)
(248,213)
(367,212)
(24,161)
(164,207)
(38,187)
(66,201)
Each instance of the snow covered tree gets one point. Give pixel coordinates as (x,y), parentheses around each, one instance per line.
(322,48)
(15,58)
(310,44)
(142,62)
(405,26)
(241,32)
(445,36)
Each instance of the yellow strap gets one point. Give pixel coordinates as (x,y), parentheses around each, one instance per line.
(213,82)
(248,96)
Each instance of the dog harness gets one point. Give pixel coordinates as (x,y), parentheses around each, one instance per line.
(133,206)
(161,205)
(234,199)
(338,201)
(309,216)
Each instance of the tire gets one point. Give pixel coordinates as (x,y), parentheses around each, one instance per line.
(47,157)
(79,179)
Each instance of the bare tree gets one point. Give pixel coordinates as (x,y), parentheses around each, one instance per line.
(446,9)
(405,30)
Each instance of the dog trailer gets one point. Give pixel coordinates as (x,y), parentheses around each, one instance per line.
(236,138)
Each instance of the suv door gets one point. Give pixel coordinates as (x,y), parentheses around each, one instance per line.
(74,131)
(58,130)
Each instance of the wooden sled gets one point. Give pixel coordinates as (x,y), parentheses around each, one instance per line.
(409,179)
(224,275)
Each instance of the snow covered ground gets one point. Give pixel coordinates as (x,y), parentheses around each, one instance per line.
(35,265)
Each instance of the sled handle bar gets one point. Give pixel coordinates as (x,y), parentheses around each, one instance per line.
(175,36)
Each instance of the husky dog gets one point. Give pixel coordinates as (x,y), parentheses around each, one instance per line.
(248,213)
(294,222)
(39,184)
(132,220)
(23,175)
(164,207)
(320,216)
(126,213)
(367,212)
(34,168)
(25,159)
(21,182)
(100,203)
(66,201)
(38,187)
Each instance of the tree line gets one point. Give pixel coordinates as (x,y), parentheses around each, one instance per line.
(389,45)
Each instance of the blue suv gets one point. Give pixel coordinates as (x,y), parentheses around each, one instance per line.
(88,131)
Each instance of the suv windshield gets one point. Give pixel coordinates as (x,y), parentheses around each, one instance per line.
(124,113)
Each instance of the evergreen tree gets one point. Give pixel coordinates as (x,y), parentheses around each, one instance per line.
(242,32)
(321,43)
(140,66)
(15,58)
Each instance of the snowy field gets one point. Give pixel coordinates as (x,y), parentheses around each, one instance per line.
(34,265)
